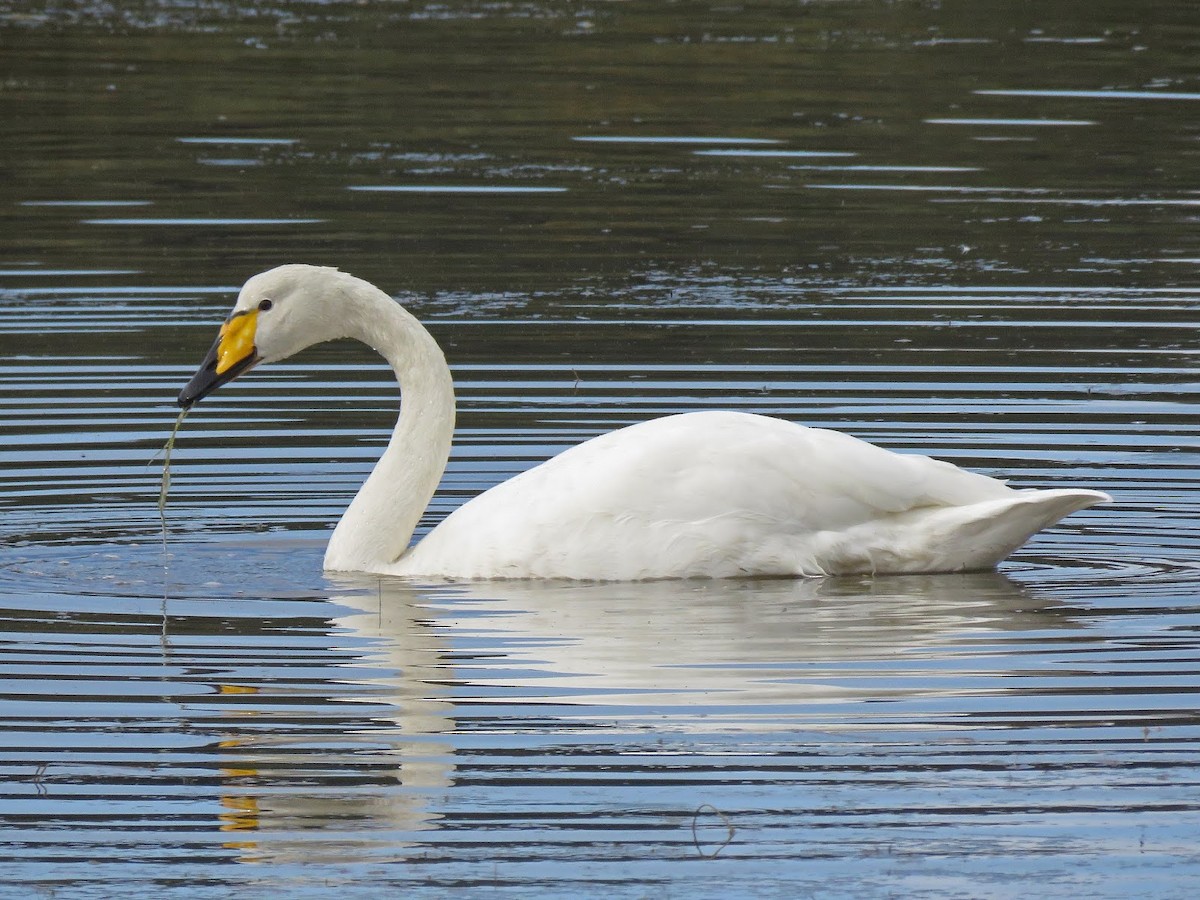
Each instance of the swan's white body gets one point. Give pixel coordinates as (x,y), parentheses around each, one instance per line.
(707,494)
(728,494)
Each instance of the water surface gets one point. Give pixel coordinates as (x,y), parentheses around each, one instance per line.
(936,228)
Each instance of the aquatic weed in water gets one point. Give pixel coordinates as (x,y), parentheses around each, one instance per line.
(165,484)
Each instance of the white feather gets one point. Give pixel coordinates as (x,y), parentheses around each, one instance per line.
(726,494)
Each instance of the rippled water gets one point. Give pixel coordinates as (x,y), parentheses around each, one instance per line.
(936,227)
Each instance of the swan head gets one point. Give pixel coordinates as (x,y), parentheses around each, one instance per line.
(278,312)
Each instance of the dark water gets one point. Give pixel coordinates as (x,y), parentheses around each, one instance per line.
(942,227)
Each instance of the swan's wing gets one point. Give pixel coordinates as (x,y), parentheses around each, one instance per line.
(703,493)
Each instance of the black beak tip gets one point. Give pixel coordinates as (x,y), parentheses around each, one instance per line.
(206,380)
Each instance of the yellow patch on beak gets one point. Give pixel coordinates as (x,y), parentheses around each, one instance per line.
(236,340)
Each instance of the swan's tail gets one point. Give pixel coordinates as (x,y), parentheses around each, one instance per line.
(980,535)
(952,538)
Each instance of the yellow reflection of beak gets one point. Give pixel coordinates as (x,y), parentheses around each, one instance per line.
(236,341)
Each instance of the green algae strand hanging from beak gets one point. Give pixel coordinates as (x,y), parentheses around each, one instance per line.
(165,486)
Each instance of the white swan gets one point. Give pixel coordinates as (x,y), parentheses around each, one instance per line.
(705,494)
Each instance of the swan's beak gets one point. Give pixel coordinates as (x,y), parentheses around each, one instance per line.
(232,354)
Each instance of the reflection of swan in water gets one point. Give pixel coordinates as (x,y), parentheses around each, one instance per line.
(705,494)
(694,642)
(383,722)
(543,659)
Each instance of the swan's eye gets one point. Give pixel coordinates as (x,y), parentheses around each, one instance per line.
(264,305)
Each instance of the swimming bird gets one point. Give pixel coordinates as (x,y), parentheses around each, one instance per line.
(709,494)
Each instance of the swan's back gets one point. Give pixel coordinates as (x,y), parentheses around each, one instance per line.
(724,494)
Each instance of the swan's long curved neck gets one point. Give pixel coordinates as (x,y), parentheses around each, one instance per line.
(380,521)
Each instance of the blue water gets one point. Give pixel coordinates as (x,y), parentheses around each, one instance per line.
(942,229)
